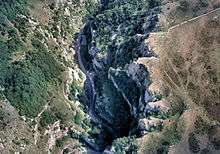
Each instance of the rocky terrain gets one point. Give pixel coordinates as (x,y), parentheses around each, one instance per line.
(110,76)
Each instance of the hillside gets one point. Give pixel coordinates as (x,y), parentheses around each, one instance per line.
(187,72)
(39,77)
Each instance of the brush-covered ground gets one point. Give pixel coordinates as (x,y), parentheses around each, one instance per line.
(39,78)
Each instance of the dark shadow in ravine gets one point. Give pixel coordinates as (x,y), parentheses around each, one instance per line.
(115,86)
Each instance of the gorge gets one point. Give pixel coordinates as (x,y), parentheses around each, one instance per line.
(116,87)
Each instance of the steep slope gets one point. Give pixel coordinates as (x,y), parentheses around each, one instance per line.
(39,78)
(155,115)
(187,72)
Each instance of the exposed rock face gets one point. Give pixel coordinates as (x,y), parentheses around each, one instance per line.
(149,125)
(116,87)
(139,74)
(162,106)
(132,84)
(126,95)
(127,87)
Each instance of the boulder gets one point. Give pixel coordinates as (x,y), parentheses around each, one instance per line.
(139,74)
(162,105)
(147,125)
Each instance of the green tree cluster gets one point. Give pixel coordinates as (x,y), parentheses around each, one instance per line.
(25,80)
(47,118)
(124,145)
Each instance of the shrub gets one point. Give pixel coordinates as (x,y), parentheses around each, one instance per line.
(124,145)
(201,126)
(25,88)
(184,5)
(78,118)
(60,142)
(193,143)
(13,8)
(74,90)
(171,135)
(47,118)
(203,3)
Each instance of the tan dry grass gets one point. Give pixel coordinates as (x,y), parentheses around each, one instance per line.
(188,66)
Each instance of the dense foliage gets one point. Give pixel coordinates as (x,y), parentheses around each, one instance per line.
(122,19)
(12,8)
(124,145)
(26,71)
(47,118)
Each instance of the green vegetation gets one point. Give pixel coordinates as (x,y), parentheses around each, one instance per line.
(164,148)
(60,142)
(203,3)
(160,142)
(201,126)
(3,119)
(193,143)
(184,5)
(26,81)
(22,88)
(26,71)
(172,134)
(32,62)
(124,18)
(21,141)
(75,89)
(91,7)
(124,145)
(13,8)
(78,118)
(47,118)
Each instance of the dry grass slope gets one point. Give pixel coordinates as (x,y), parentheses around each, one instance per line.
(187,73)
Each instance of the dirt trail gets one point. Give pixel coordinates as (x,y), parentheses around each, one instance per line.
(192,19)
(36,119)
